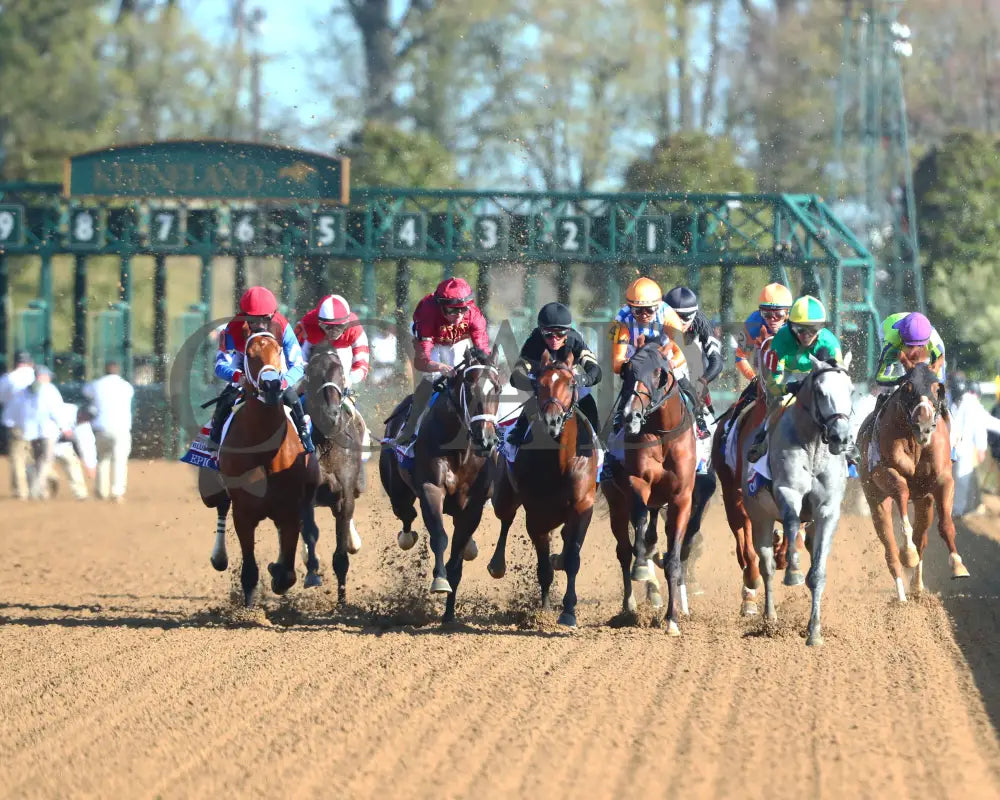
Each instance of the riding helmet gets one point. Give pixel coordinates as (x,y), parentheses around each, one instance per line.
(257,301)
(334,310)
(643,293)
(682,300)
(554,315)
(807,310)
(453,293)
(774,295)
(914,329)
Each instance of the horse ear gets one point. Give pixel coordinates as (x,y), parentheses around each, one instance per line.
(494,356)
(815,361)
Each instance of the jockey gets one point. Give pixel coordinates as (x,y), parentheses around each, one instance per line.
(555,334)
(446,323)
(787,361)
(258,314)
(772,311)
(332,321)
(899,332)
(697,330)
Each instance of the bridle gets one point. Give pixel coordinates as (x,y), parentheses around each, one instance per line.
(565,412)
(267,371)
(647,408)
(824,422)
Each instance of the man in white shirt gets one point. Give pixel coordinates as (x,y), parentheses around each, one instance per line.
(78,452)
(21,377)
(37,416)
(111,398)
(970,423)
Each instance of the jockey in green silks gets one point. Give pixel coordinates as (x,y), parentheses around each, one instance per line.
(787,360)
(904,331)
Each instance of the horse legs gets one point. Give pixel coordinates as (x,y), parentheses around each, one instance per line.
(220,559)
(310,535)
(900,492)
(283,570)
(790,506)
(704,488)
(466,522)
(653,584)
(944,496)
(618,512)
(400,498)
(640,519)
(343,516)
(432,508)
(574,532)
(923,507)
(540,539)
(746,553)
(882,520)
(505,506)
(246,527)
(826,518)
(763,539)
(498,564)
(678,514)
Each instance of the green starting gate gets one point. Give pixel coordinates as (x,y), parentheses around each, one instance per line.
(212,199)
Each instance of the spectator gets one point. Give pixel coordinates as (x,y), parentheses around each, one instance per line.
(969,425)
(21,377)
(111,397)
(77,453)
(37,414)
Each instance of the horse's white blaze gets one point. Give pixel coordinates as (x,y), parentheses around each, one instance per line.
(489,386)
(900,590)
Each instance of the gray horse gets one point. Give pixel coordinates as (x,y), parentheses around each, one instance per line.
(809,474)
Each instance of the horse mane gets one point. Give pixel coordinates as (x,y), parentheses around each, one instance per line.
(648,358)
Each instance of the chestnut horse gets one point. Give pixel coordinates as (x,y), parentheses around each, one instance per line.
(263,469)
(338,431)
(906,455)
(658,470)
(555,481)
(450,470)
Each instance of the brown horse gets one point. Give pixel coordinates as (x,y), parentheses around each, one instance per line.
(449,473)
(658,470)
(555,481)
(906,455)
(263,468)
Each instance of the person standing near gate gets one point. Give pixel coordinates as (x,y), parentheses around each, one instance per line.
(111,398)
(37,416)
(77,453)
(21,377)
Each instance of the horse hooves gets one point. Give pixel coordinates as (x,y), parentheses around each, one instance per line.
(815,639)
(642,573)
(794,577)
(557,561)
(496,570)
(673,629)
(312,580)
(406,539)
(281,579)
(911,557)
(567,619)
(630,606)
(658,560)
(441,586)
(471,550)
(653,595)
(221,564)
(958,569)
(748,609)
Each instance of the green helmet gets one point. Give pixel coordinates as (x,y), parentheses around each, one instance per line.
(807,310)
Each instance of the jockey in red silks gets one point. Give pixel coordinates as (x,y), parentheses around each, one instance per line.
(446,323)
(333,321)
(258,314)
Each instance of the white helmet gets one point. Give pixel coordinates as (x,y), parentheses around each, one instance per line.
(334,310)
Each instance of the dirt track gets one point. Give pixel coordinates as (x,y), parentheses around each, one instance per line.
(126,671)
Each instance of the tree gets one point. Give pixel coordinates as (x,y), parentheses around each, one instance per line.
(689,162)
(957,186)
(382,155)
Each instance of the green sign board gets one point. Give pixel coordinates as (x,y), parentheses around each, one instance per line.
(208,169)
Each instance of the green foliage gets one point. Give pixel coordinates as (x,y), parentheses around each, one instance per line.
(689,162)
(382,155)
(957,187)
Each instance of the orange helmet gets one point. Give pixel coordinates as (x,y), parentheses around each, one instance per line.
(644,293)
(775,295)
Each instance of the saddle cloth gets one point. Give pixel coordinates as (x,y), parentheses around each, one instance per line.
(203,452)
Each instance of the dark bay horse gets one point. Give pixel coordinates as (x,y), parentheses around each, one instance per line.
(263,468)
(554,476)
(338,431)
(906,455)
(658,471)
(450,472)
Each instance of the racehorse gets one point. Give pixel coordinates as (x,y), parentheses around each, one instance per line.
(555,484)
(658,471)
(809,474)
(906,455)
(450,472)
(338,431)
(264,470)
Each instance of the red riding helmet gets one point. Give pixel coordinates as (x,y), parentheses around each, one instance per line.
(258,302)
(334,311)
(453,293)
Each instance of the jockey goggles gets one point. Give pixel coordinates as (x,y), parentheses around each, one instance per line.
(774,313)
(554,333)
(804,329)
(642,311)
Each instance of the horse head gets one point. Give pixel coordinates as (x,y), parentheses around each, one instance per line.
(922,397)
(476,392)
(263,367)
(556,391)
(827,398)
(647,381)
(325,390)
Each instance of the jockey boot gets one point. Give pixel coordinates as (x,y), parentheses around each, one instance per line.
(302,427)
(421,396)
(516,436)
(687,389)
(759,446)
(223,406)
